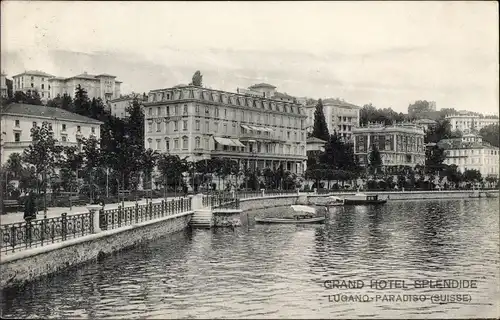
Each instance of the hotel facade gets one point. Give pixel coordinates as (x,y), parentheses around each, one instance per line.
(399,145)
(17,119)
(257,131)
(33,80)
(470,152)
(102,86)
(465,123)
(340,116)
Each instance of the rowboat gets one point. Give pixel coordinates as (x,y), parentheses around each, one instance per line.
(290,220)
(302,214)
(361,198)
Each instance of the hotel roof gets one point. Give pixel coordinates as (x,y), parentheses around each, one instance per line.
(262,85)
(37,111)
(339,102)
(34,73)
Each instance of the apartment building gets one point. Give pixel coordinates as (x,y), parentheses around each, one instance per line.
(466,123)
(33,80)
(340,116)
(471,152)
(102,86)
(200,123)
(17,119)
(118,107)
(399,144)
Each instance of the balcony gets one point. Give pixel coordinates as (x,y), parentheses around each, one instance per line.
(260,137)
(258,155)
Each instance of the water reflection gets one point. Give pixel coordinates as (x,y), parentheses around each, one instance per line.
(272,271)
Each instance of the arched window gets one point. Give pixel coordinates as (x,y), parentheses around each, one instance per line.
(184,142)
(167,144)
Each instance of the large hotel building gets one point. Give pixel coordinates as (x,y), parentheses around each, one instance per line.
(399,145)
(257,127)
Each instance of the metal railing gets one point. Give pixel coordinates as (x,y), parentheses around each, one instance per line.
(37,233)
(115,218)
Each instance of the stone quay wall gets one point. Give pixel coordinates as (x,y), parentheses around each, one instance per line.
(24,266)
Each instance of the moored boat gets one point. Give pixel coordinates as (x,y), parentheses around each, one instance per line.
(334,201)
(290,220)
(361,198)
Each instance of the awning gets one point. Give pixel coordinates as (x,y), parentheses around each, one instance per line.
(246,127)
(229,142)
(237,143)
(224,141)
(268,129)
(258,128)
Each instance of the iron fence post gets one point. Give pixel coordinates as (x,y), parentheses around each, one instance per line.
(64,228)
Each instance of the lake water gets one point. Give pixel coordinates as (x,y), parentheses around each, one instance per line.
(279,271)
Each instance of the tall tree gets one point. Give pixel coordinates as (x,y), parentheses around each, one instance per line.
(135,124)
(374,159)
(197,80)
(81,101)
(43,154)
(434,157)
(320,129)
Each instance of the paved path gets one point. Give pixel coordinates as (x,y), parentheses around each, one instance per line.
(15,217)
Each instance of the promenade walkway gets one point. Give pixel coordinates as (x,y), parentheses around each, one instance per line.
(16,217)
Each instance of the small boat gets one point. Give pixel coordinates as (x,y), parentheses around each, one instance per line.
(303,214)
(361,198)
(290,220)
(334,201)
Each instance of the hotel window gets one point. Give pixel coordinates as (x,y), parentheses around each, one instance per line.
(216,112)
(176,125)
(64,138)
(34,124)
(176,143)
(167,111)
(93,130)
(197,109)
(63,127)
(207,143)
(197,142)
(197,125)
(43,86)
(50,126)
(185,110)
(167,143)
(288,134)
(225,113)
(158,127)
(17,137)
(150,126)
(78,128)
(184,125)
(158,146)
(184,142)
(168,96)
(150,111)
(225,127)
(207,126)
(32,85)
(207,111)
(158,111)
(17,123)
(177,111)
(216,127)
(295,136)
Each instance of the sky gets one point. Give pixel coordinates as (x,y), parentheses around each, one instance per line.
(385,53)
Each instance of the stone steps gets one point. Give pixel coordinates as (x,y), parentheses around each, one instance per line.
(201,219)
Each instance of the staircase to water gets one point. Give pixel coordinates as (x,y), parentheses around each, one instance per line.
(202,219)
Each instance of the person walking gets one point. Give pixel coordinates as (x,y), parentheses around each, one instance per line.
(30,207)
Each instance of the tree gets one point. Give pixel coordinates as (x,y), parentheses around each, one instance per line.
(81,101)
(420,108)
(63,102)
(149,160)
(434,157)
(386,116)
(171,168)
(135,123)
(320,129)
(71,163)
(42,154)
(28,97)
(442,130)
(14,165)
(197,80)
(92,161)
(472,175)
(491,134)
(374,159)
